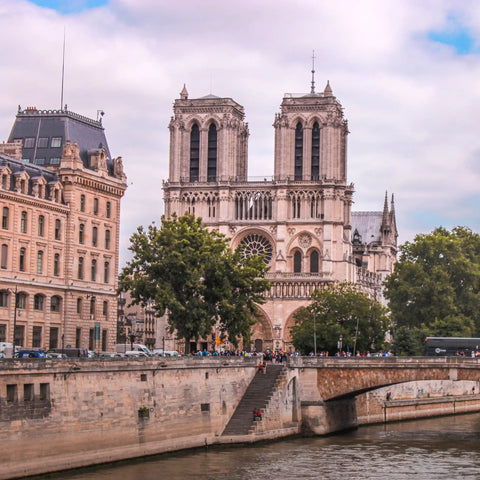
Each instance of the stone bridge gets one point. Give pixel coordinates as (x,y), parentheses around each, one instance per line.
(329,385)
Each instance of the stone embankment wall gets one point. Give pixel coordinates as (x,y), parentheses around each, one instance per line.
(418,400)
(60,414)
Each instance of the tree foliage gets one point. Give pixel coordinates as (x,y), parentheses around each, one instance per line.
(434,289)
(336,311)
(191,273)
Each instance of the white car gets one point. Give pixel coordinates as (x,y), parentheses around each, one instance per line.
(135,354)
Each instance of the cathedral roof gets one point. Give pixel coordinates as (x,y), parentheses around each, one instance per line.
(366,227)
(44,133)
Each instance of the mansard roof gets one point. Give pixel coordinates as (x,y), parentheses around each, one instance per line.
(34,173)
(366,227)
(47,132)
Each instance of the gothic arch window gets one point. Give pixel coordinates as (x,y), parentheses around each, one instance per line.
(212,153)
(298,152)
(255,244)
(314,261)
(315,151)
(297,261)
(194,153)
(296,207)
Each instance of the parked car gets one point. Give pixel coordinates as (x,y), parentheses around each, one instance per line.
(55,355)
(135,354)
(30,354)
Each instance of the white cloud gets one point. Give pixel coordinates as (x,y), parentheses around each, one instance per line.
(411,103)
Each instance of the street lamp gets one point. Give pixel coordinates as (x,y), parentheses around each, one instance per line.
(355,340)
(15,293)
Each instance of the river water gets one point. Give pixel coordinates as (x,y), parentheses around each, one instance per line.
(440,448)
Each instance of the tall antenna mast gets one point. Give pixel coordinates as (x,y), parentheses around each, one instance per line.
(63,68)
(312,90)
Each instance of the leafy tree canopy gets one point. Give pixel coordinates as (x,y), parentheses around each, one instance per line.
(434,289)
(340,309)
(191,273)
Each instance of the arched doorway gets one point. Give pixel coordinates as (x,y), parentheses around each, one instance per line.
(287,336)
(262,334)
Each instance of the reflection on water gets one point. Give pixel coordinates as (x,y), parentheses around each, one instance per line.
(441,448)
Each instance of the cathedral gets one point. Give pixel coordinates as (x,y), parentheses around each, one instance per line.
(300,218)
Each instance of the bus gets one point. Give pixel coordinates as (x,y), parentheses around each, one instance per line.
(452,346)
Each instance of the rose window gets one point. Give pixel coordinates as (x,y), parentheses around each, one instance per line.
(255,244)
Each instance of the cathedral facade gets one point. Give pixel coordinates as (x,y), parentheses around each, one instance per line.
(300,219)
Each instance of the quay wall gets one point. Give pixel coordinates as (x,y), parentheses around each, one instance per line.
(65,413)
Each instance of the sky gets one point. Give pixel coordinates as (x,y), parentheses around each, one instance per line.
(406,73)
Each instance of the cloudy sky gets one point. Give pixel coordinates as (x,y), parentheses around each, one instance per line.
(406,71)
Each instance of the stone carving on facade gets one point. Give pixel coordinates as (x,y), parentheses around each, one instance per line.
(291,231)
(305,240)
(273,229)
(118,168)
(280,257)
(233,229)
(318,231)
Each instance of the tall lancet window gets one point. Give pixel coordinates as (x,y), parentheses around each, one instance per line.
(299,152)
(212,153)
(194,153)
(315,151)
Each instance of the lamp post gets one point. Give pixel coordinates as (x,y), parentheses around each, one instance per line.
(15,293)
(314,333)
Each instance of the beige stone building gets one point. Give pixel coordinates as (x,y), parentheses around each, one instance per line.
(300,218)
(60,195)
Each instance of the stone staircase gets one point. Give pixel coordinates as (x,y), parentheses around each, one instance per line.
(257,396)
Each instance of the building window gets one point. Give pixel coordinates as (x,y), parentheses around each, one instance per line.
(37,337)
(40,261)
(297,262)
(21,301)
(56,142)
(94,236)
(53,342)
(105,308)
(80,268)
(314,262)
(12,395)
(42,142)
(5,218)
(81,233)
(45,391)
(82,203)
(39,161)
(38,301)
(29,142)
(92,307)
(58,225)
(109,209)
(95,206)
(56,264)
(104,340)
(41,225)
(299,152)
(212,154)
(3,333)
(21,264)
(315,151)
(4,260)
(78,337)
(107,239)
(55,303)
(106,272)
(3,299)
(194,153)
(55,161)
(94,270)
(23,222)
(79,305)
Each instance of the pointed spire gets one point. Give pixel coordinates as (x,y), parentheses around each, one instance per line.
(184,93)
(312,90)
(392,206)
(328,90)
(385,205)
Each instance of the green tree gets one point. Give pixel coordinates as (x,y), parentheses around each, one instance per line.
(340,309)
(434,289)
(193,275)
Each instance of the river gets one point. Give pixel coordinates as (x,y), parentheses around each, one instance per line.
(440,448)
